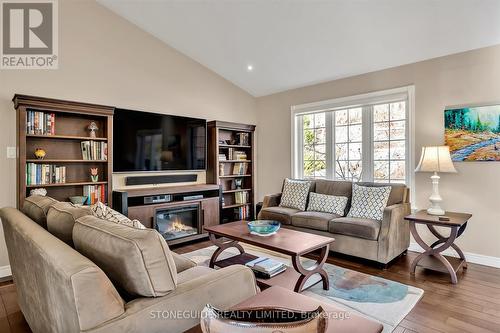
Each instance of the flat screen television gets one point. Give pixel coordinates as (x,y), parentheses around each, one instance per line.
(144,141)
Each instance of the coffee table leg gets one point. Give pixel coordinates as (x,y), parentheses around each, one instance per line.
(221,247)
(317,268)
(436,251)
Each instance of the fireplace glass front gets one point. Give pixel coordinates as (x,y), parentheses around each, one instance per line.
(177,222)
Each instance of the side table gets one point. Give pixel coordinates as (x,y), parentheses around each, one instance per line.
(432,258)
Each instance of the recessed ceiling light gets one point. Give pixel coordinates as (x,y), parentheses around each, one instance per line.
(249,68)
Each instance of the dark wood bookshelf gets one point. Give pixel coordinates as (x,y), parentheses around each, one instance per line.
(222,136)
(64,147)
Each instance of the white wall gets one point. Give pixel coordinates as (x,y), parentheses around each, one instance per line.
(105,59)
(466,78)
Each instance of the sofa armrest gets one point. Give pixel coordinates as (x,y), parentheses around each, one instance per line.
(394,237)
(271,200)
(182,263)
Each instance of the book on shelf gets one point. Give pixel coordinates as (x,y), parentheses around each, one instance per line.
(241,213)
(234,154)
(94,150)
(241,197)
(240,168)
(222,157)
(40,123)
(95,193)
(43,174)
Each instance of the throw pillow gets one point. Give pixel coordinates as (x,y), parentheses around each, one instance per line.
(103,212)
(369,202)
(327,203)
(295,194)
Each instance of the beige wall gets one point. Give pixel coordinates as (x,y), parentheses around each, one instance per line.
(105,59)
(466,78)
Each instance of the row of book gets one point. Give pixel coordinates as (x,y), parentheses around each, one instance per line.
(241,197)
(95,193)
(234,154)
(40,123)
(42,174)
(240,168)
(266,267)
(242,213)
(94,150)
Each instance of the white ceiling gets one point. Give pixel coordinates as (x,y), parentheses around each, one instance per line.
(297,43)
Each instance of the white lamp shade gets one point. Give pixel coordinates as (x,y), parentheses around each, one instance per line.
(435,159)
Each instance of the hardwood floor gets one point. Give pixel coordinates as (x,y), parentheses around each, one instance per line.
(471,306)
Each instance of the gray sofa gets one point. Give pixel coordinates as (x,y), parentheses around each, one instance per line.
(60,290)
(379,241)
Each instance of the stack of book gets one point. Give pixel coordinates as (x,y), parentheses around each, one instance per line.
(222,157)
(241,213)
(240,168)
(241,197)
(42,174)
(95,193)
(94,150)
(266,268)
(40,123)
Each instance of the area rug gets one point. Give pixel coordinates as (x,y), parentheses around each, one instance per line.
(385,301)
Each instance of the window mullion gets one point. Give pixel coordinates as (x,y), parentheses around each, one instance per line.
(330,144)
(367,145)
(298,171)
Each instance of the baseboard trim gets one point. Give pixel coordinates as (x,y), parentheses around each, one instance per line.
(474,258)
(5,271)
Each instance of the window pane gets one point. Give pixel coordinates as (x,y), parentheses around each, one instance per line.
(355,116)
(381,169)
(355,151)
(398,130)
(381,131)
(341,117)
(355,170)
(381,150)
(398,150)
(355,133)
(398,170)
(319,120)
(341,152)
(320,169)
(308,168)
(320,135)
(308,153)
(308,120)
(319,152)
(341,170)
(341,134)
(381,112)
(398,111)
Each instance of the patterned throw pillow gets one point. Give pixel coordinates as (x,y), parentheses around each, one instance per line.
(295,194)
(327,203)
(103,212)
(369,202)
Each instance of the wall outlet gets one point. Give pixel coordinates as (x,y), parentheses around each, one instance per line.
(11,152)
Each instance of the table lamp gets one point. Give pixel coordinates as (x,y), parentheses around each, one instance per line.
(435,159)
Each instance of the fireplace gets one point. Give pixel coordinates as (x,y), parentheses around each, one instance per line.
(177,222)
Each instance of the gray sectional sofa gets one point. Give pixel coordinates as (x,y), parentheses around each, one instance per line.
(379,241)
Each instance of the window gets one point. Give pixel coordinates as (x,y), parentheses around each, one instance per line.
(359,138)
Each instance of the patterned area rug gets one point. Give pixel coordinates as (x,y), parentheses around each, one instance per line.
(383,300)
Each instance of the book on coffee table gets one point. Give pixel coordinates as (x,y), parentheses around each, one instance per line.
(266,268)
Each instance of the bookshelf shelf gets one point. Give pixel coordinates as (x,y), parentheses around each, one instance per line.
(225,161)
(67,124)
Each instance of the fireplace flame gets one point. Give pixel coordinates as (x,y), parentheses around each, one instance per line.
(178,226)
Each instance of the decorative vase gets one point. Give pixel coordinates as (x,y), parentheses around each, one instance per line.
(40,153)
(92,129)
(94,175)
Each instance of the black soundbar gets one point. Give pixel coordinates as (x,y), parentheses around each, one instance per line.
(162,179)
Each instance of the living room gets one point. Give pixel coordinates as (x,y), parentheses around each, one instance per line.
(331,161)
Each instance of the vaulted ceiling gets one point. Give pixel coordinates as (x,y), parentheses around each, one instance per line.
(296,43)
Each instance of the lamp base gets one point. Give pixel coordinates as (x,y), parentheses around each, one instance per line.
(436,211)
(435,198)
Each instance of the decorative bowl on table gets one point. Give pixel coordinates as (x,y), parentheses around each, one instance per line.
(263,227)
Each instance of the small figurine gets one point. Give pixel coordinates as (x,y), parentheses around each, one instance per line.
(92,128)
(94,175)
(237,183)
(40,153)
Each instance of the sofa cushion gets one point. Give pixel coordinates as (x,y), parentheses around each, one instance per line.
(137,260)
(36,208)
(369,202)
(295,193)
(398,192)
(357,227)
(61,219)
(340,188)
(313,220)
(327,203)
(194,273)
(281,214)
(104,212)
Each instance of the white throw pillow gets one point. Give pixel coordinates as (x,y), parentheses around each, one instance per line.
(295,194)
(103,212)
(369,202)
(327,203)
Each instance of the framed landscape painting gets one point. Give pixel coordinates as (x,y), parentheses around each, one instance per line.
(473,133)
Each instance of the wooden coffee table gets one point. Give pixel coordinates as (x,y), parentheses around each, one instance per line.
(289,242)
(339,320)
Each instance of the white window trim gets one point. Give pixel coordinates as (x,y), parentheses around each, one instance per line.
(383,96)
